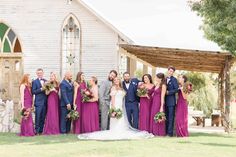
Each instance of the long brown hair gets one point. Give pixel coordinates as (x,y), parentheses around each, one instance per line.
(149,77)
(25,80)
(162,77)
(78,77)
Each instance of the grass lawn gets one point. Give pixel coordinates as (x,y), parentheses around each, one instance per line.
(197,145)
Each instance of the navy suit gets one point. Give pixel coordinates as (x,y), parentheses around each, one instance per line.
(170,102)
(131,102)
(40,104)
(67,92)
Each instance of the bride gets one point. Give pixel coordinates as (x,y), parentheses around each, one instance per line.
(120,129)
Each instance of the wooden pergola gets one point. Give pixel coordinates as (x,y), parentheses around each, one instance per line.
(191,60)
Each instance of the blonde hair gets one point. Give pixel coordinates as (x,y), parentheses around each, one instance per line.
(55,75)
(94,78)
(120,85)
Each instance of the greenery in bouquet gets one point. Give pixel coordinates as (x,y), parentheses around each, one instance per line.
(160,117)
(86,95)
(142,90)
(48,87)
(25,113)
(115,113)
(73,115)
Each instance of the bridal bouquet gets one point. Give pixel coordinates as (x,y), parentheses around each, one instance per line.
(86,95)
(73,115)
(48,87)
(160,117)
(115,113)
(188,87)
(25,113)
(142,90)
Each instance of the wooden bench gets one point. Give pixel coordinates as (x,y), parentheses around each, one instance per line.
(216,118)
(199,116)
(200,120)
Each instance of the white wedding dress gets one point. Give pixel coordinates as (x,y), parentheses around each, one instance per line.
(120,129)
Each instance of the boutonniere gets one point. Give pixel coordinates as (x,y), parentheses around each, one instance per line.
(134,83)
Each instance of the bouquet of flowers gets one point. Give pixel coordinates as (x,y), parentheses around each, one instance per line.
(25,113)
(73,115)
(48,87)
(142,90)
(188,87)
(115,113)
(160,117)
(86,95)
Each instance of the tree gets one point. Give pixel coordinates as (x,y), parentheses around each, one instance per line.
(219,21)
(204,95)
(138,73)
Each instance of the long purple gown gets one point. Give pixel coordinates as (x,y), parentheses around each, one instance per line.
(90,117)
(181,117)
(52,118)
(158,128)
(77,125)
(144,111)
(27,126)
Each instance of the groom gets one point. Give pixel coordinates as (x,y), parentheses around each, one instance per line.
(170,100)
(131,99)
(40,101)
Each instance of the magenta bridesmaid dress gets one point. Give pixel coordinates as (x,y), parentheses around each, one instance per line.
(90,117)
(27,126)
(157,129)
(51,126)
(77,125)
(144,111)
(181,117)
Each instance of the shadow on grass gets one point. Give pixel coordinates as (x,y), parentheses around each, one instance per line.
(211,135)
(218,144)
(11,139)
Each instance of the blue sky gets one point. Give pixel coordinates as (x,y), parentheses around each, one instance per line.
(163,23)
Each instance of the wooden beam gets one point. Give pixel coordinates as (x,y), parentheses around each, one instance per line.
(180,57)
(173,50)
(187,62)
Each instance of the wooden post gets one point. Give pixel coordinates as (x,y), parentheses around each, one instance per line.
(153,73)
(145,69)
(131,66)
(221,92)
(227,95)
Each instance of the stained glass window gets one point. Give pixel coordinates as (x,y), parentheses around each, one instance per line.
(9,43)
(71,44)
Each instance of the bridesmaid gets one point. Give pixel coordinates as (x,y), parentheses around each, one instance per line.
(52,118)
(27,126)
(181,116)
(79,85)
(145,104)
(90,112)
(158,96)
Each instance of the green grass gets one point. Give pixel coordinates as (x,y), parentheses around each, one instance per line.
(197,145)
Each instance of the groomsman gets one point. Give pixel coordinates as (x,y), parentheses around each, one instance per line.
(40,101)
(170,100)
(131,99)
(67,89)
(105,99)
